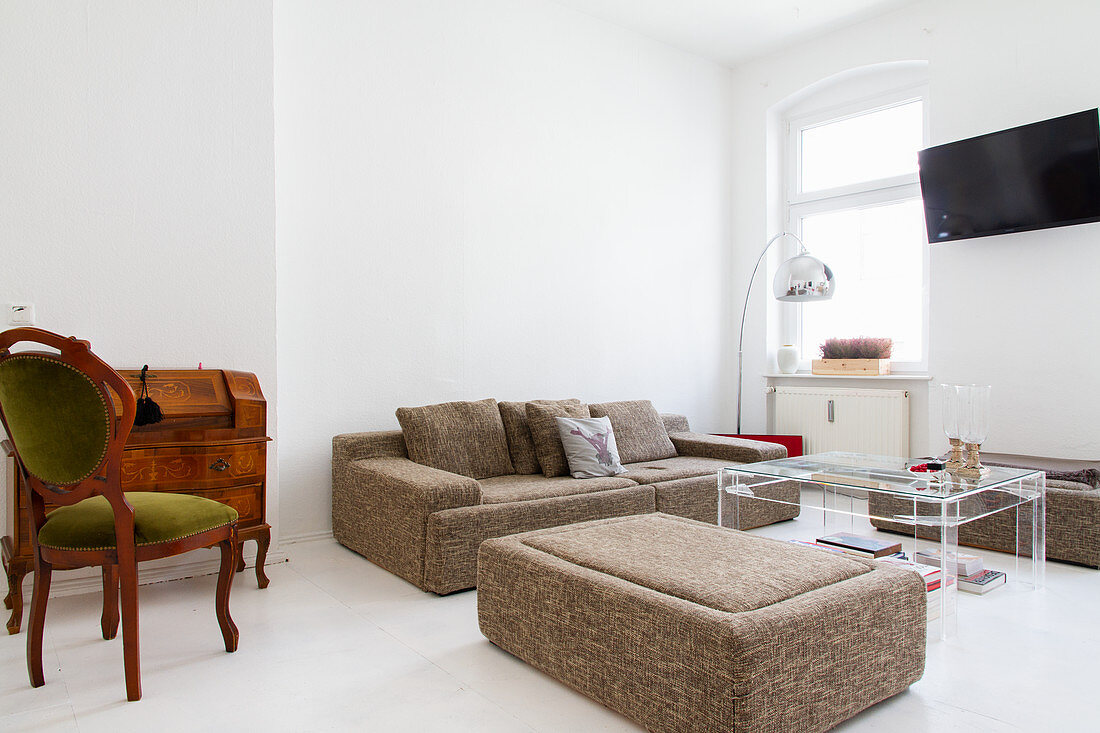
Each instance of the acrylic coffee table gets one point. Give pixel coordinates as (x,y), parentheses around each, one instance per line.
(838,483)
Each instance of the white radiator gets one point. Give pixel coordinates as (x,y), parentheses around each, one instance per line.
(872,421)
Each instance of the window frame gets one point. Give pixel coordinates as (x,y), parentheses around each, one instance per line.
(892,189)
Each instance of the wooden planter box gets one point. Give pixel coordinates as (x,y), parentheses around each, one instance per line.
(850,366)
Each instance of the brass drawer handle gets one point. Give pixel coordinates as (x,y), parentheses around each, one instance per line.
(219,465)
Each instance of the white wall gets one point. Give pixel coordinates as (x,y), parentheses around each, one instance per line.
(489,198)
(1009,310)
(136,181)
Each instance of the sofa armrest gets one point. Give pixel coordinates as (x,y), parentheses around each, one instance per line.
(735,450)
(414,487)
(376,444)
(675,423)
(380,509)
(351,447)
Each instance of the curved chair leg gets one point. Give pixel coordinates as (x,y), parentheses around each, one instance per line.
(127,572)
(39,596)
(230,551)
(109,622)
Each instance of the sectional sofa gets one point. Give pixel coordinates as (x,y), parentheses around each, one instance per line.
(420,501)
(1072,520)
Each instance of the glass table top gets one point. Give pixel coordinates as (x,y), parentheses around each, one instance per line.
(880,473)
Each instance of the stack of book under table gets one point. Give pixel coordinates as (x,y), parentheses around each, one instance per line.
(971,575)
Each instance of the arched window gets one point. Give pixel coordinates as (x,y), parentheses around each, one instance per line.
(851,192)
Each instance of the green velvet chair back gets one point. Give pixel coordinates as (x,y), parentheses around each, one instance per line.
(58,410)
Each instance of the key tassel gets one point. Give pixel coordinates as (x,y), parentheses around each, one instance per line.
(148,412)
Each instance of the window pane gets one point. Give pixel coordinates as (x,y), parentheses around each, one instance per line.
(862,148)
(877,256)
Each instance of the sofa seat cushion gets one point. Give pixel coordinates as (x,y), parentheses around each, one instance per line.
(672,469)
(715,567)
(504,489)
(466,438)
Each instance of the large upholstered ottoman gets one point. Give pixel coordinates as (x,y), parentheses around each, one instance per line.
(686,626)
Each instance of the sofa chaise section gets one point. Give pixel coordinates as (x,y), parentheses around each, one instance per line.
(687,485)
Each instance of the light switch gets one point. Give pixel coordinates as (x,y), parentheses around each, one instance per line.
(21,314)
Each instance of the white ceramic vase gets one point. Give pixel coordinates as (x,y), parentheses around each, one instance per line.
(787,356)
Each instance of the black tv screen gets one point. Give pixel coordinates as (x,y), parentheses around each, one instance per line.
(1042,175)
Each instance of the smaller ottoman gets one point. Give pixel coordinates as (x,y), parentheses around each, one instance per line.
(686,626)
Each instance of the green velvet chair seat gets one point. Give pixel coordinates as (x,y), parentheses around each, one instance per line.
(158,517)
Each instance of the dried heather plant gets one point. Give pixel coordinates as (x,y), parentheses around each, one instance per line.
(857,348)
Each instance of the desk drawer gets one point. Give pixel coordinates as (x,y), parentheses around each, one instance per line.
(248,500)
(194,468)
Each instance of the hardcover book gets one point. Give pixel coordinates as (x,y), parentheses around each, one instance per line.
(933,605)
(930,573)
(982,582)
(965,565)
(864,546)
(815,545)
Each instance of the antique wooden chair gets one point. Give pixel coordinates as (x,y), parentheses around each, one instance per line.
(59,409)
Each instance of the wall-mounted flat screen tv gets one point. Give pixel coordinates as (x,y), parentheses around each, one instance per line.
(1037,176)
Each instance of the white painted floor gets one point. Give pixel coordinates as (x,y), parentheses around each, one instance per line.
(335,643)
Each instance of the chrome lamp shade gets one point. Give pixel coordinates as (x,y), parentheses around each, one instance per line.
(803,278)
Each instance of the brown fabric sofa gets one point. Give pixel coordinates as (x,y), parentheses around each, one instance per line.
(684,626)
(1072,523)
(426,524)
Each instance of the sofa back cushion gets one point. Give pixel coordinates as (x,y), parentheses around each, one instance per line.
(639,431)
(522,447)
(461,437)
(544,433)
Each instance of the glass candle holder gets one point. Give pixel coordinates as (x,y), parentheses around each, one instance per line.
(974,402)
(950,416)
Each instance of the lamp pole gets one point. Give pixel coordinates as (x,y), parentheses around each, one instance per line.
(744,312)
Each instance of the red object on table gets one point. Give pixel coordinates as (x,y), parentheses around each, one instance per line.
(792,442)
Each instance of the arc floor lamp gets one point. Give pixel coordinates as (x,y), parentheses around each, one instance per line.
(801,279)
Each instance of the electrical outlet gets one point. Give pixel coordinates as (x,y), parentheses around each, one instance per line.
(21,314)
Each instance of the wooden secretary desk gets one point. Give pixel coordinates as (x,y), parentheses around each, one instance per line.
(212,442)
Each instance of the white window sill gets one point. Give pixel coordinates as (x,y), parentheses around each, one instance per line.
(901,376)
